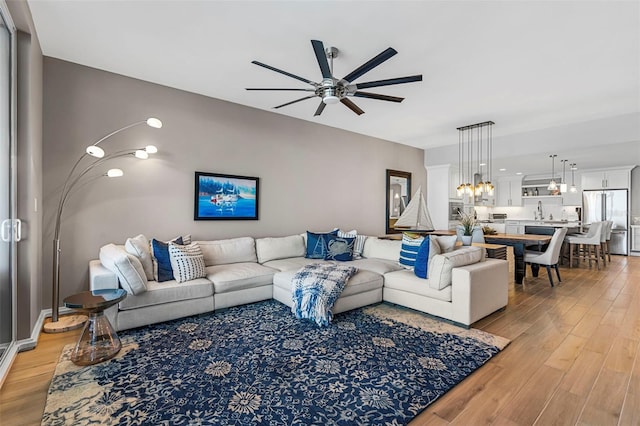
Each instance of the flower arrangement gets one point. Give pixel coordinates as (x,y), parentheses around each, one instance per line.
(468,222)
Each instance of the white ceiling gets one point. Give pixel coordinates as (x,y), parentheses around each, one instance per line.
(523,64)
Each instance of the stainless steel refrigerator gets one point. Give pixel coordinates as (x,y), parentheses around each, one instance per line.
(612,205)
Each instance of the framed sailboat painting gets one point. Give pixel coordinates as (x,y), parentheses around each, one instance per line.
(225,197)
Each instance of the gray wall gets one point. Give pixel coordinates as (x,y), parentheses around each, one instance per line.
(311,176)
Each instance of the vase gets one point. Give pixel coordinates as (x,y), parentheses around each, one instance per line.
(466,240)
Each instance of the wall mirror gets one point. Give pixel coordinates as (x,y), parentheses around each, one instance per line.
(398,195)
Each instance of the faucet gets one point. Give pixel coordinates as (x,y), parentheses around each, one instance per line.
(540,212)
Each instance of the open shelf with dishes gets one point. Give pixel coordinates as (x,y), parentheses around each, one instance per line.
(539,189)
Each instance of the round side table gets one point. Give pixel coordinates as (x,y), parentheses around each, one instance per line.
(98,341)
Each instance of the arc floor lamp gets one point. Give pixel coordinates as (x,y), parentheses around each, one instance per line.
(75,176)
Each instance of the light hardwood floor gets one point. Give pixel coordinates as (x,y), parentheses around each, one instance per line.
(574,358)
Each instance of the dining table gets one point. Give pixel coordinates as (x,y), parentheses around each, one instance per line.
(519,242)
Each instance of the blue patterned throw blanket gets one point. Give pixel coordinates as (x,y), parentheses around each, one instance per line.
(316,287)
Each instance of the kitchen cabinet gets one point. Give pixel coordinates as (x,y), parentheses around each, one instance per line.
(513,227)
(635,239)
(606,179)
(509,191)
(454,182)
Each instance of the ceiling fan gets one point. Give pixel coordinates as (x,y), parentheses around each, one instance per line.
(332,90)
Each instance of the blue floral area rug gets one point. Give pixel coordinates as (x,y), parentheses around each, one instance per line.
(258,365)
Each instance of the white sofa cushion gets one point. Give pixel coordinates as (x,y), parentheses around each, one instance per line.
(279,248)
(126,266)
(239,276)
(406,280)
(292,263)
(139,247)
(379,266)
(169,292)
(222,252)
(442,264)
(382,249)
(360,282)
(187,262)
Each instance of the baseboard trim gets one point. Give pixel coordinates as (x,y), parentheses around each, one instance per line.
(25,344)
(31,342)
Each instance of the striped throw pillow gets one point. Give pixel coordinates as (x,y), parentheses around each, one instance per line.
(359,243)
(187,262)
(409,250)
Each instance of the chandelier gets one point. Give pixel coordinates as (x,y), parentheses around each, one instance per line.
(479,139)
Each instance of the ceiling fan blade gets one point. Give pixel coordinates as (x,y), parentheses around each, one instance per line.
(269,88)
(389,82)
(288,74)
(320,108)
(321,55)
(293,102)
(353,107)
(370,64)
(377,96)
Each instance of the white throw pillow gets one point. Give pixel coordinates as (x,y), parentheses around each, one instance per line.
(280,248)
(442,265)
(187,262)
(139,247)
(446,242)
(126,266)
(382,249)
(234,250)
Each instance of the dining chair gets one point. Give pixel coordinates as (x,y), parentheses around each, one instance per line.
(582,245)
(549,258)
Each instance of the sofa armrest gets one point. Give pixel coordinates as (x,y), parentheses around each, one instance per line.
(479,289)
(101,278)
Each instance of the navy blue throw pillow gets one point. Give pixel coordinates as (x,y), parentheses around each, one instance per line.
(161,253)
(422,259)
(339,248)
(317,244)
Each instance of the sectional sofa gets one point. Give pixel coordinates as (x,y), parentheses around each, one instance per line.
(462,287)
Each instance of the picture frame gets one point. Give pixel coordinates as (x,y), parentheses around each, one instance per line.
(225,197)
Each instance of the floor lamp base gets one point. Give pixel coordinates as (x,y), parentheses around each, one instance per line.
(65,323)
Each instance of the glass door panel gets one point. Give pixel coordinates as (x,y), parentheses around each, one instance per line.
(7,200)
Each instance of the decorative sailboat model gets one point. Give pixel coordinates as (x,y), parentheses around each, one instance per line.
(416,216)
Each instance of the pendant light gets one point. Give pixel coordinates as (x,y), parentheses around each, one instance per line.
(488,186)
(480,185)
(573,182)
(552,183)
(563,185)
(460,188)
(484,185)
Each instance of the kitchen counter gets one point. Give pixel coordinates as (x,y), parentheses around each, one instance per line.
(550,223)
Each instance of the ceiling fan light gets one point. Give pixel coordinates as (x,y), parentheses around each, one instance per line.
(330,99)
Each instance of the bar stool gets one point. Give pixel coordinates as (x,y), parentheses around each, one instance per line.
(603,241)
(582,245)
(605,244)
